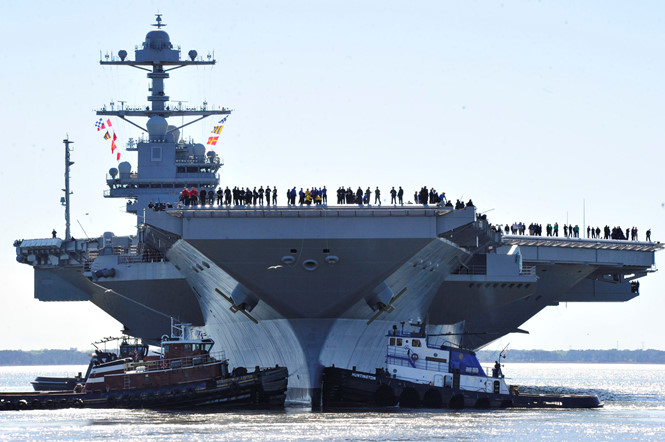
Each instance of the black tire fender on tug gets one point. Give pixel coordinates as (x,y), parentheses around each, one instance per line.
(456,402)
(384,396)
(432,399)
(409,398)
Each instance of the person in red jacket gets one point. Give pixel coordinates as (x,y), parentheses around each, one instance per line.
(184,196)
(194,196)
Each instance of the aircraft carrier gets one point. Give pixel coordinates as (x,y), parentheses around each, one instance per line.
(304,286)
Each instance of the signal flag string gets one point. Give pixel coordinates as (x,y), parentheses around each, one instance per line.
(109,134)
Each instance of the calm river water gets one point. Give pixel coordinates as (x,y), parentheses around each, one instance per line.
(634,398)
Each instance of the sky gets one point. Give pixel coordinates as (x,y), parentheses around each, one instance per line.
(540,111)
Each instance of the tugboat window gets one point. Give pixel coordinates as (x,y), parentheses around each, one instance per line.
(399,342)
(166,348)
(415,343)
(392,341)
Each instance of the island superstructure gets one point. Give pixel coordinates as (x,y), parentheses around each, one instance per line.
(305,287)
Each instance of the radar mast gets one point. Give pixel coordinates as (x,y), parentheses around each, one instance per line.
(157,56)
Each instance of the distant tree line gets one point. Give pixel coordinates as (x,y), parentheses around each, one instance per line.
(589,356)
(44,357)
(74,357)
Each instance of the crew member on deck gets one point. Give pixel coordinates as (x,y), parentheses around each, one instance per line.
(496,371)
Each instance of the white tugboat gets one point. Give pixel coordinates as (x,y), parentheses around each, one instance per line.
(420,374)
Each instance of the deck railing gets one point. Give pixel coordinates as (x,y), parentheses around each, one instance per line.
(182,362)
(403,357)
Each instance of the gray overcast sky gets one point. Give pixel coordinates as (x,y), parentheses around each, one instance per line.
(530,108)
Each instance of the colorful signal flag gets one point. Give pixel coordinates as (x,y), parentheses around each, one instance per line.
(107,135)
(212,140)
(217,130)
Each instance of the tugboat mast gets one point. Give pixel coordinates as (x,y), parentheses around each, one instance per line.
(65,200)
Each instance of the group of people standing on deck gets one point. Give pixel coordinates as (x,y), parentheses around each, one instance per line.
(570,231)
(239,196)
(617,233)
(250,197)
(348,196)
(308,197)
(369,197)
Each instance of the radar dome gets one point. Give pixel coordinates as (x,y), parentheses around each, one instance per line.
(122,54)
(211,153)
(175,132)
(157,126)
(157,40)
(113,172)
(199,150)
(124,167)
(192,54)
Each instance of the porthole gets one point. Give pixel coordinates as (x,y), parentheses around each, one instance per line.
(310,265)
(288,260)
(205,264)
(332,259)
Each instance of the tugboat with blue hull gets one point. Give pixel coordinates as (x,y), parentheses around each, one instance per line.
(186,374)
(420,374)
